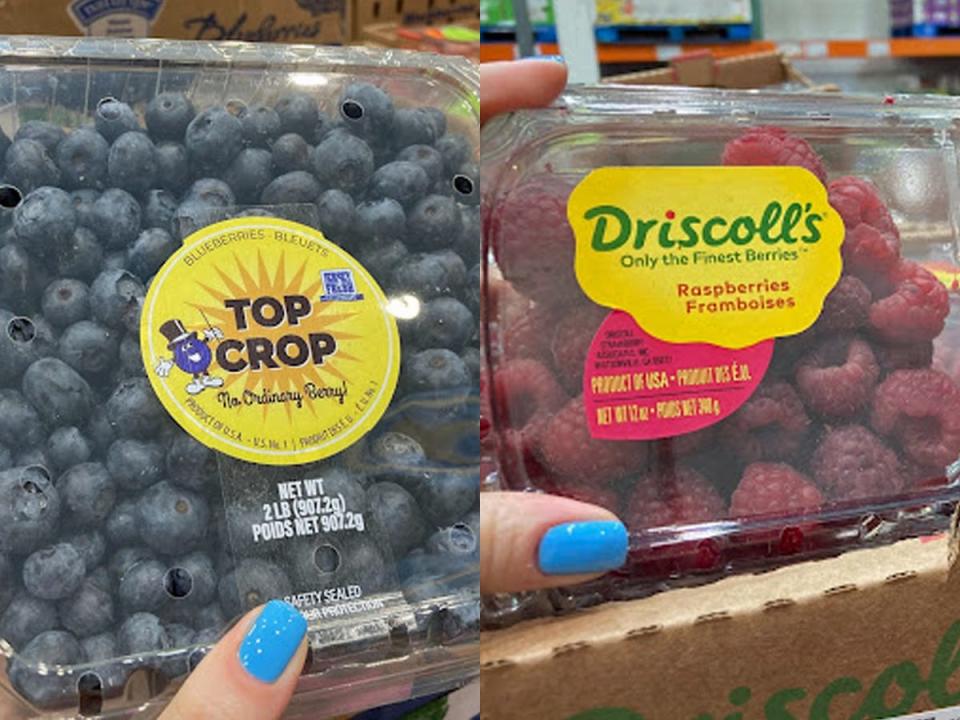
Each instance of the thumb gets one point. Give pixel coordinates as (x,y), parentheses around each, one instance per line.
(251,673)
(530,541)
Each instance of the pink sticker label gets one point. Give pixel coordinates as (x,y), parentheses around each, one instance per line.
(636,387)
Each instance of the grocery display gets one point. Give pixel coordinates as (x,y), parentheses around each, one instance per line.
(238,361)
(712,313)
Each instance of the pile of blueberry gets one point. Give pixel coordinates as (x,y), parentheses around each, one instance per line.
(121,537)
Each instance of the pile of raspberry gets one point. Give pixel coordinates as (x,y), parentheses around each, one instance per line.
(850,411)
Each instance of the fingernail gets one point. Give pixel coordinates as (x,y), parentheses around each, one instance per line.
(552,58)
(583,547)
(272,641)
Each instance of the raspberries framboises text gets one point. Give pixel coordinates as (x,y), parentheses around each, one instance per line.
(774,489)
(773,146)
(851,462)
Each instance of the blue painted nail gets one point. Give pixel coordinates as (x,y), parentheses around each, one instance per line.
(583,547)
(553,58)
(272,641)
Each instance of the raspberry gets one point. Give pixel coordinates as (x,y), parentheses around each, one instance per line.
(682,446)
(857,201)
(681,496)
(603,497)
(837,378)
(774,489)
(787,353)
(771,425)
(773,146)
(919,407)
(900,357)
(533,242)
(519,467)
(566,449)
(847,306)
(917,308)
(851,462)
(522,388)
(916,476)
(525,335)
(570,343)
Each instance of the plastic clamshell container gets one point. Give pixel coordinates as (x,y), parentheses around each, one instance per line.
(843,434)
(239,360)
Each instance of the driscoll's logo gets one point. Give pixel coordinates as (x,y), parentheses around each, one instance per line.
(615,228)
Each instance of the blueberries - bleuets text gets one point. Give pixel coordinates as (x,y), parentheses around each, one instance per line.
(614,228)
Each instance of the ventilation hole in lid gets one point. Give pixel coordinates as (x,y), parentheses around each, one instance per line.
(351,109)
(326,558)
(102,106)
(90,692)
(463,185)
(237,108)
(178,583)
(10,196)
(21,330)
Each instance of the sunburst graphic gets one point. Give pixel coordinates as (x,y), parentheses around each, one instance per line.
(278,284)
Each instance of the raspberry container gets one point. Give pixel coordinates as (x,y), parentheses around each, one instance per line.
(239,360)
(727,317)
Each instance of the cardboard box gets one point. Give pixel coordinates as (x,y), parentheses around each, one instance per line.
(286,21)
(872,633)
(411,12)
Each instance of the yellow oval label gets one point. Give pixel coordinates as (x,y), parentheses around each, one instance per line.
(269,343)
(723,255)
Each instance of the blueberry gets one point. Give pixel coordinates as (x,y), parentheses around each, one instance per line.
(397,513)
(44,222)
(446,495)
(48,650)
(142,633)
(20,424)
(53,573)
(336,210)
(298,113)
(123,525)
(150,252)
(31,456)
(8,582)
(65,302)
(213,138)
(466,184)
(321,562)
(45,133)
(81,257)
(194,215)
(29,166)
(126,558)
(18,350)
(367,110)
(343,161)
(173,166)
(30,509)
(456,150)
(249,173)
(325,126)
(439,118)
(191,464)
(117,218)
(293,188)
(191,584)
(261,126)
(99,648)
(134,411)
(290,152)
(100,430)
(117,260)
(472,360)
(253,582)
(434,223)
(467,244)
(89,348)
(82,159)
(210,618)
(429,275)
(404,181)
(435,369)
(116,299)
(83,202)
(57,392)
(413,126)
(25,618)
(6,459)
(381,220)
(171,517)
(132,163)
(114,118)
(181,637)
(444,322)
(168,115)
(91,546)
(131,361)
(87,612)
(88,493)
(158,208)
(427,157)
(4,143)
(20,279)
(135,464)
(141,587)
(380,260)
(211,191)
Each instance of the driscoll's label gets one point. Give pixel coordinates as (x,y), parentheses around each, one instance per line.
(723,255)
(269,343)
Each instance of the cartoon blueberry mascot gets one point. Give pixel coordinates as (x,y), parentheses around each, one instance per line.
(190,354)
